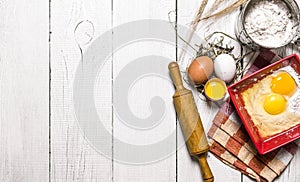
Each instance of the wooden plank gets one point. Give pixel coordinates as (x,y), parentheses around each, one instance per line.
(188,170)
(24,91)
(146,78)
(75,153)
(292,172)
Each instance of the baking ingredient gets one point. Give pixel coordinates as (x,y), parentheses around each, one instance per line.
(225,67)
(215,89)
(283,83)
(200,70)
(270,23)
(271,111)
(274,103)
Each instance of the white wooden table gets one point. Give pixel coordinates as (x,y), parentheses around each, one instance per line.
(41,137)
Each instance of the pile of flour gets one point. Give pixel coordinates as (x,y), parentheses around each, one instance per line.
(269,23)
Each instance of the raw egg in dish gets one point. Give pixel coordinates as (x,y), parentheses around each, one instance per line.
(200,70)
(283,83)
(272,102)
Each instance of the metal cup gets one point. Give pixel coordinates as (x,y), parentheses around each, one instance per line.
(243,36)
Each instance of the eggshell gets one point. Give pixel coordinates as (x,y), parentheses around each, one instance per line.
(225,67)
(200,69)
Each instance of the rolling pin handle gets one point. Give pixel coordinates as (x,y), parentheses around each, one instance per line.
(175,74)
(205,169)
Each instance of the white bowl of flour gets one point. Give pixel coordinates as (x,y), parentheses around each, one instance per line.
(268,23)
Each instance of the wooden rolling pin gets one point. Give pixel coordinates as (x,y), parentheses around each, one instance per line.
(190,123)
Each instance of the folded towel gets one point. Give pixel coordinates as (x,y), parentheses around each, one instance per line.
(231,143)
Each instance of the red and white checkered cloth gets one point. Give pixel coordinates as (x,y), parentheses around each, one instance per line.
(230,142)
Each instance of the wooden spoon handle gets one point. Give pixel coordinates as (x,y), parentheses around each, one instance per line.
(176,76)
(205,169)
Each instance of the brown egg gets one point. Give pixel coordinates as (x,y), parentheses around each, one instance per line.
(200,70)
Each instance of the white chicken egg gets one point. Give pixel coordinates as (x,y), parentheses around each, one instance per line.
(224,66)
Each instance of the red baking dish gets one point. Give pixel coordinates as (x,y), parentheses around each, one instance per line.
(267,144)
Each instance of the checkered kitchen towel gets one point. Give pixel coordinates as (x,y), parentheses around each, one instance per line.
(231,144)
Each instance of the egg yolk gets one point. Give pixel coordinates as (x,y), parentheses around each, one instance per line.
(274,104)
(283,83)
(214,89)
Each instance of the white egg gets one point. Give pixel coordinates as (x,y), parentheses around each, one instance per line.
(224,66)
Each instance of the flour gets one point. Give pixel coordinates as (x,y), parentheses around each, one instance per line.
(270,23)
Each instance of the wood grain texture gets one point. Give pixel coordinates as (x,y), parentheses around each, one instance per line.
(142,93)
(292,172)
(37,118)
(188,170)
(24,91)
(73,156)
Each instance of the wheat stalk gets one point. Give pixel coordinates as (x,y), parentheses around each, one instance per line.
(198,18)
(215,5)
(226,10)
(199,14)
(194,27)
